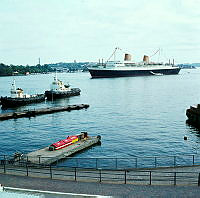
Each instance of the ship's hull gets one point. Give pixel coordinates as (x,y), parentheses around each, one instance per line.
(14,102)
(51,95)
(193,114)
(110,73)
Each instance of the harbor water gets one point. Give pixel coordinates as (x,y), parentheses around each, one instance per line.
(135,116)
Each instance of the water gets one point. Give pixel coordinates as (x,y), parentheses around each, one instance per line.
(135,116)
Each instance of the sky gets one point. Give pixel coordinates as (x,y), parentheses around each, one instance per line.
(89,30)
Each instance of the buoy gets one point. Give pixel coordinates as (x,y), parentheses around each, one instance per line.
(185,137)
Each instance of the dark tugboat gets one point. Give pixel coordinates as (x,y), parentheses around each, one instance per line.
(193,114)
(18,98)
(59,90)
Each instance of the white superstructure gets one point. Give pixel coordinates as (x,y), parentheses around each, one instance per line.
(17,93)
(128,64)
(58,86)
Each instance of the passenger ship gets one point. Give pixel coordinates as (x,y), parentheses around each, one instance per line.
(128,68)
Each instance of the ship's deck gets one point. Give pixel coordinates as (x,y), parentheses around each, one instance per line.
(133,68)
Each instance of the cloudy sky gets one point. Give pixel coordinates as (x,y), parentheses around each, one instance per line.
(86,30)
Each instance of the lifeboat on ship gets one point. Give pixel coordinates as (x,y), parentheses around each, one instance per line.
(67,142)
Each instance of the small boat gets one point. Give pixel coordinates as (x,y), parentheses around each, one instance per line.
(59,90)
(156,74)
(68,141)
(18,98)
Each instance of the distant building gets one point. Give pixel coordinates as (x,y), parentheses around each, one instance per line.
(15,73)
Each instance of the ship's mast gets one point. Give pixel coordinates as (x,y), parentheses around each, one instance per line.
(13,90)
(56,76)
(113,54)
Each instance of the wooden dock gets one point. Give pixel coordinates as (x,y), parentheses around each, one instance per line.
(46,157)
(35,112)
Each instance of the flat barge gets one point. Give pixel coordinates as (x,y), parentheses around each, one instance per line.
(45,156)
(35,112)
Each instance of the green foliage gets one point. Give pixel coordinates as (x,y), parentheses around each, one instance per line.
(8,70)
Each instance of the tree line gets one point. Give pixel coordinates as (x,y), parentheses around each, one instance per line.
(9,70)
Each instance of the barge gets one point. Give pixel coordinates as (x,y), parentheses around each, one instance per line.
(47,155)
(40,111)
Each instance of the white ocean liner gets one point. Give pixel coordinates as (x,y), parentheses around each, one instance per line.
(128,68)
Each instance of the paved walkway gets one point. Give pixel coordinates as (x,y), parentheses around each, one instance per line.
(93,188)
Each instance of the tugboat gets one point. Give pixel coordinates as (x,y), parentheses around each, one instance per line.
(193,114)
(18,98)
(59,90)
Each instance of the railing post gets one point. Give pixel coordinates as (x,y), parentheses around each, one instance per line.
(19,159)
(136,162)
(4,167)
(4,164)
(26,169)
(150,178)
(174,161)
(193,159)
(77,162)
(39,160)
(199,180)
(75,173)
(100,175)
(50,171)
(155,162)
(125,176)
(174,178)
(96,163)
(26,159)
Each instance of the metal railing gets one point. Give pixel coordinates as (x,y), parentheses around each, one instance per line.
(146,177)
(109,163)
